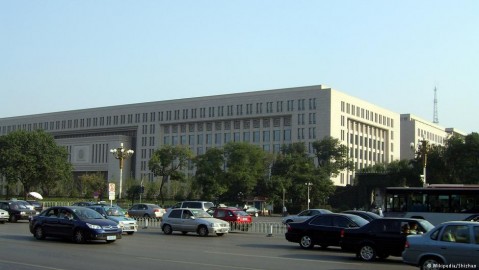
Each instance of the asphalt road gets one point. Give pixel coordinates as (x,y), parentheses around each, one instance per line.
(151,249)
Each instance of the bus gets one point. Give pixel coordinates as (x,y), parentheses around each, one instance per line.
(436,203)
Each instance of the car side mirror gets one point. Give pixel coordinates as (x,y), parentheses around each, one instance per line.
(192,217)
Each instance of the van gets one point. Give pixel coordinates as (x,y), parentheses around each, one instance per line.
(195,205)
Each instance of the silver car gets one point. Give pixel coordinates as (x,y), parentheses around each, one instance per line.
(305,214)
(4,216)
(452,244)
(193,220)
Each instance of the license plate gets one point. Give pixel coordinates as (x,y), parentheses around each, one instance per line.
(111,237)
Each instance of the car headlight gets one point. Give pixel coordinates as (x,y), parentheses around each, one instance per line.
(22,213)
(93,226)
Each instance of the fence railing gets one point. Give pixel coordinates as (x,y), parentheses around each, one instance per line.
(268,228)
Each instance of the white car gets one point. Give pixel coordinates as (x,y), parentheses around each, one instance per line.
(4,216)
(193,220)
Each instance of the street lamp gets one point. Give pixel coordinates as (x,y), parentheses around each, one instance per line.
(309,184)
(121,154)
(422,151)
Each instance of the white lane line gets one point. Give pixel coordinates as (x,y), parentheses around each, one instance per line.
(31,265)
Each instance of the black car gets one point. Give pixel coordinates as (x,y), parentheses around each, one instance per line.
(382,237)
(364,214)
(18,210)
(38,206)
(323,230)
(74,222)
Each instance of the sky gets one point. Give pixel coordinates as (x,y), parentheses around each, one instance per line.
(70,54)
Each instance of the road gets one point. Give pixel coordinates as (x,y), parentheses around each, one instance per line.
(151,249)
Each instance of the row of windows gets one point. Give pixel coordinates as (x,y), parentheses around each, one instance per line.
(223,138)
(366,114)
(226,125)
(213,111)
(430,136)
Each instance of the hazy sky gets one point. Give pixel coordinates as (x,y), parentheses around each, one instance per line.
(65,55)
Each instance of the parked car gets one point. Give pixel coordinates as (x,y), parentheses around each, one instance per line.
(382,237)
(38,206)
(450,243)
(323,230)
(237,218)
(251,210)
(364,214)
(18,210)
(118,215)
(305,214)
(4,216)
(193,220)
(83,203)
(146,210)
(204,205)
(78,223)
(474,217)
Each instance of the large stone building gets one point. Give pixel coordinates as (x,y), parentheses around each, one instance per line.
(268,119)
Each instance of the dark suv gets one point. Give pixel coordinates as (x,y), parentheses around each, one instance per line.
(18,210)
(381,237)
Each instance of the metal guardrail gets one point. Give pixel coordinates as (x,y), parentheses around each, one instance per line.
(268,228)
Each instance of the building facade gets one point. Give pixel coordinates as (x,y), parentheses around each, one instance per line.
(268,119)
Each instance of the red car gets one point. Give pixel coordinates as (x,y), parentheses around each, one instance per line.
(237,218)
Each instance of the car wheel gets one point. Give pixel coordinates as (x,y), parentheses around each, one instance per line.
(430,263)
(306,242)
(130,233)
(79,237)
(167,229)
(39,233)
(367,253)
(203,231)
(219,234)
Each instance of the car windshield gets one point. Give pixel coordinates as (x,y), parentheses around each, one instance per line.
(87,213)
(200,213)
(114,211)
(20,205)
(241,213)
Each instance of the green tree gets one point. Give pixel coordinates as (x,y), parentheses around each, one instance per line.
(332,156)
(210,177)
(292,169)
(167,162)
(245,165)
(94,182)
(33,159)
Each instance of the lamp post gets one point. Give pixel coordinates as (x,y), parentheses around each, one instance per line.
(309,184)
(121,154)
(422,151)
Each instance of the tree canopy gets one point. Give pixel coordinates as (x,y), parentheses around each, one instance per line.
(33,159)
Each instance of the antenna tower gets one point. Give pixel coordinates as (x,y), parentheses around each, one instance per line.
(435,117)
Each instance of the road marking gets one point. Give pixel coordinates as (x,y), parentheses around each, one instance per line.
(221,266)
(31,265)
(275,257)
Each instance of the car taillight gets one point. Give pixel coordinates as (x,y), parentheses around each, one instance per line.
(341,233)
(288,227)
(406,245)
(156,210)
